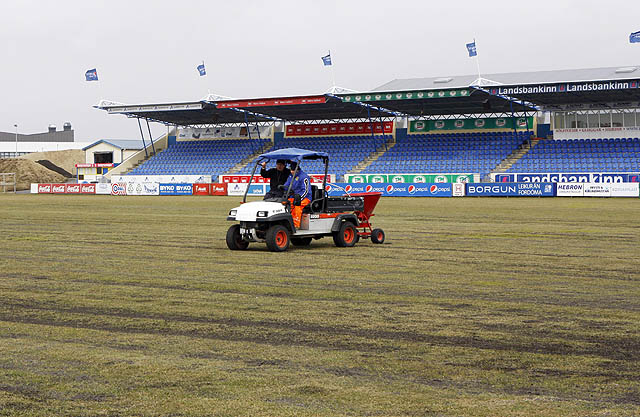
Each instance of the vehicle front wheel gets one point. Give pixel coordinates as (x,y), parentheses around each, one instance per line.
(377,236)
(235,240)
(301,241)
(277,238)
(347,236)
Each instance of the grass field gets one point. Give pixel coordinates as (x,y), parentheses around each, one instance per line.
(133,306)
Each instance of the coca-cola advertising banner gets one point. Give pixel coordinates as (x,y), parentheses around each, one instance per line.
(330,129)
(63,188)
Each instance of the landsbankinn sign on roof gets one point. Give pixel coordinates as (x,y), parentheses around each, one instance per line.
(566,87)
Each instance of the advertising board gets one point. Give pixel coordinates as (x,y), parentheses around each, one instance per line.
(72,189)
(595,177)
(333,129)
(625,190)
(87,188)
(175,189)
(393,190)
(409,178)
(201,189)
(103,188)
(163,179)
(597,190)
(236,188)
(257,179)
(118,188)
(218,189)
(570,189)
(491,189)
(459,190)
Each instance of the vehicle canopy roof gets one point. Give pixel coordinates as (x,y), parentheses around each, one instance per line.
(294,154)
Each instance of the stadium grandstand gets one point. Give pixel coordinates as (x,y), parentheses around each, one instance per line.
(548,121)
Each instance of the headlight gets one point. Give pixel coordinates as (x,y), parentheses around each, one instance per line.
(262,214)
(233,212)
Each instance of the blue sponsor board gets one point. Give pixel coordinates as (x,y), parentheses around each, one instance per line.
(393,189)
(597,177)
(176,189)
(511,189)
(257,189)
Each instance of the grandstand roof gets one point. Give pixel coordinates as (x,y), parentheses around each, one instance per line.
(434,97)
(514,78)
(122,144)
(298,108)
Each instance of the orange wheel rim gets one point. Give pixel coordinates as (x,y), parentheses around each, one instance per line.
(379,235)
(348,235)
(281,239)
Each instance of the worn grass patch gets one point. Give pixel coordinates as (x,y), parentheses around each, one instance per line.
(477,307)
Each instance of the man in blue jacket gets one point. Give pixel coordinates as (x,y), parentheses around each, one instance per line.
(302,186)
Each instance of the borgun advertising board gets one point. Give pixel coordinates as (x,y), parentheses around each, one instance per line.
(408,178)
(393,190)
(490,189)
(596,177)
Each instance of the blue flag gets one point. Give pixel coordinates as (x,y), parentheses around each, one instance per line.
(326,60)
(471,47)
(634,37)
(91,75)
(201,69)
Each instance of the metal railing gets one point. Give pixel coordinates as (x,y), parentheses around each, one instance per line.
(5,181)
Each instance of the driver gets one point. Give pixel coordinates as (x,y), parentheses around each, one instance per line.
(277,176)
(302,186)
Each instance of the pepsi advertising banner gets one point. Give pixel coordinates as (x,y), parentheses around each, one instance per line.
(176,189)
(393,189)
(596,177)
(511,189)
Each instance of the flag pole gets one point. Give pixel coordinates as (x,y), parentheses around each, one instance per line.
(478,63)
(333,75)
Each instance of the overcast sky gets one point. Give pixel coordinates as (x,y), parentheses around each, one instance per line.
(147,51)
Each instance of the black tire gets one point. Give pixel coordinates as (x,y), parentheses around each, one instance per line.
(377,236)
(234,239)
(301,241)
(347,236)
(278,238)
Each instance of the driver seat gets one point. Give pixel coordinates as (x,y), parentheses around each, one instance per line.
(316,202)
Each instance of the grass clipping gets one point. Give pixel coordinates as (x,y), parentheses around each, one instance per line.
(28,172)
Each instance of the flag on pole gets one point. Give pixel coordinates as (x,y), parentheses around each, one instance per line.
(201,70)
(471,47)
(91,75)
(326,60)
(634,37)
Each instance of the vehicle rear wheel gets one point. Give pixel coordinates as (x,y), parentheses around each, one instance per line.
(234,239)
(377,236)
(347,236)
(277,238)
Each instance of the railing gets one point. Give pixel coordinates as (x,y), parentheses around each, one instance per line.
(5,181)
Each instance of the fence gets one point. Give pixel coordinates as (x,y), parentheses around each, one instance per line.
(5,179)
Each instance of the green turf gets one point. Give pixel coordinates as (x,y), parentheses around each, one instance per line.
(133,306)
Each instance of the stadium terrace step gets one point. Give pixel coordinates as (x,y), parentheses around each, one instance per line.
(240,165)
(373,157)
(513,158)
